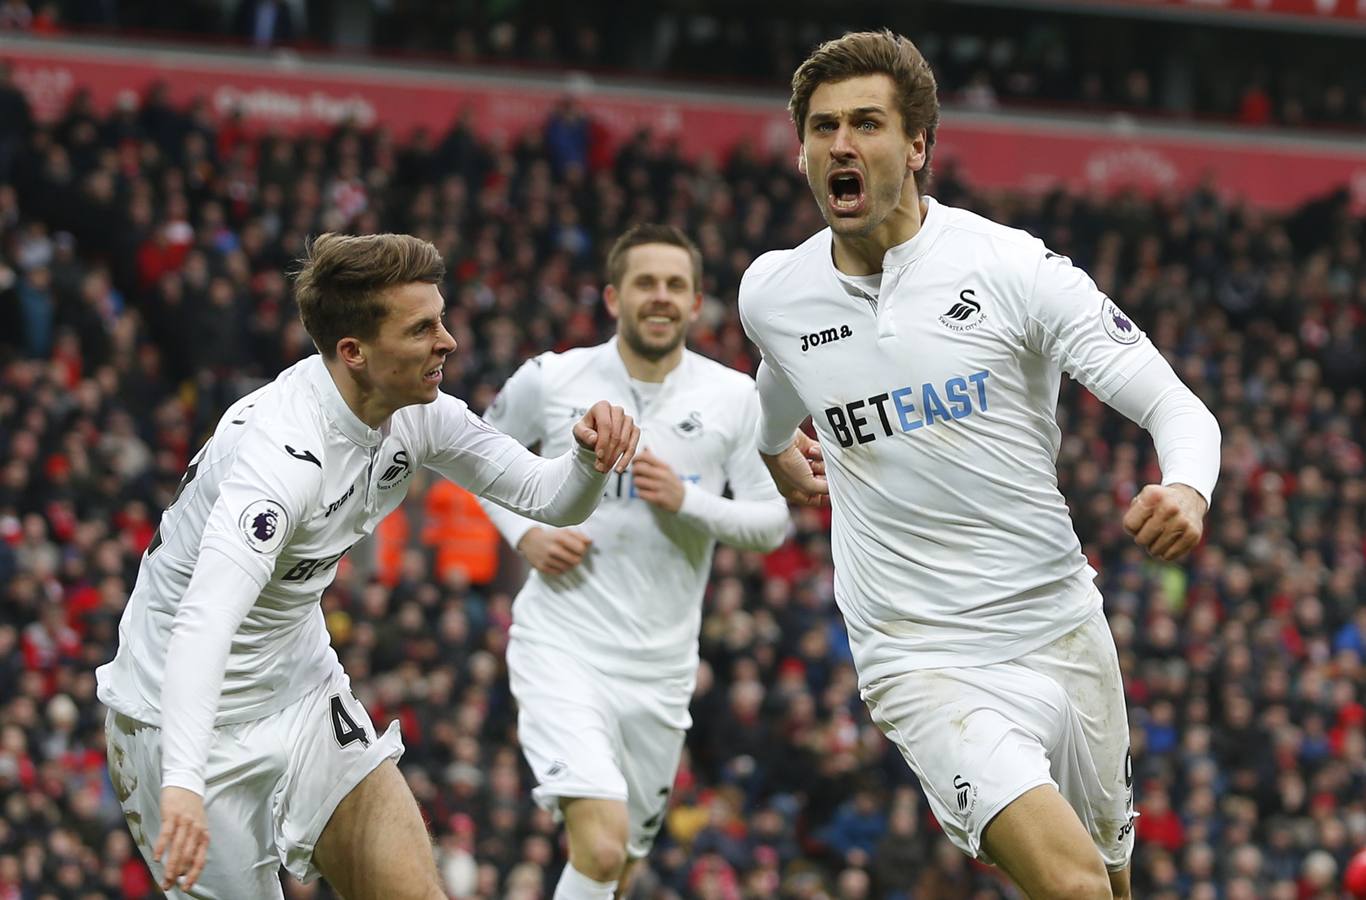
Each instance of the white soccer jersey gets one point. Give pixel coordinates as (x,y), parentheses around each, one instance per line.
(633,606)
(290,480)
(935,404)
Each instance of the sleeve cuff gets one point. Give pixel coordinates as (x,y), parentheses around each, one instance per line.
(694,501)
(1205,491)
(187,780)
(769,447)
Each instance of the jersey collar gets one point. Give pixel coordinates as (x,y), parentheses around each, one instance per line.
(619,365)
(335,408)
(906,253)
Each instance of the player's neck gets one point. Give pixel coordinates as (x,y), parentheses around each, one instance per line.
(644,369)
(862,254)
(368,406)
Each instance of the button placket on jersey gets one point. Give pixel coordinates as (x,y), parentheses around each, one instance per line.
(371,495)
(886,325)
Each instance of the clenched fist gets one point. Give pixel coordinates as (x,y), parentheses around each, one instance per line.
(799,471)
(656,483)
(554,551)
(1166,520)
(610,434)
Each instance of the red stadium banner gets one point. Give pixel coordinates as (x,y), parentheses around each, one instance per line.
(289,95)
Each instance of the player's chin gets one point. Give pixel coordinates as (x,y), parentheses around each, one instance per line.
(662,346)
(847,223)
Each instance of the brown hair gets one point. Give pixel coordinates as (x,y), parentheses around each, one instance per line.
(340,282)
(860,53)
(637,235)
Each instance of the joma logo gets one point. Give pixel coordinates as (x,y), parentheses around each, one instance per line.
(825,336)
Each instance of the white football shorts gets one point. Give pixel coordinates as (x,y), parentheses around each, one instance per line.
(589,734)
(271,785)
(978,737)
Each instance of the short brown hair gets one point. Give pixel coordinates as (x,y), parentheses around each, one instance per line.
(340,282)
(647,233)
(860,53)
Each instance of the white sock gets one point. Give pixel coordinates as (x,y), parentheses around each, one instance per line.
(574,885)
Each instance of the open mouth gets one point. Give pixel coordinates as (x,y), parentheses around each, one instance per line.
(433,376)
(846,192)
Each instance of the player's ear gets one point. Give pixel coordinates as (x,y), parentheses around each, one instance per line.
(915,153)
(612,299)
(696,310)
(801,160)
(351,353)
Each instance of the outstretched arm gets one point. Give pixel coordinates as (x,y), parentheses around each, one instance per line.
(1088,336)
(560,491)
(1167,520)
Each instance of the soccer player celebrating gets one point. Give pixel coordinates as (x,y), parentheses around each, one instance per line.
(603,651)
(927,345)
(234,741)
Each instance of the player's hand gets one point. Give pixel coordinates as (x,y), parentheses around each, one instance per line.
(1166,520)
(610,433)
(656,483)
(554,551)
(799,471)
(184,838)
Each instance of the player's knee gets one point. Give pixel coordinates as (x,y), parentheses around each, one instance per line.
(602,858)
(1075,882)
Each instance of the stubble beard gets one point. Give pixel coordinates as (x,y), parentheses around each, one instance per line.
(639,346)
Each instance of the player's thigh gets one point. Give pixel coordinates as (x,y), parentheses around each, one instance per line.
(975,738)
(332,749)
(1042,845)
(567,726)
(1092,765)
(240,780)
(654,721)
(375,844)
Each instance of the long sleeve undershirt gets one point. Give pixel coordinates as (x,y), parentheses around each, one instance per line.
(560,491)
(1185,433)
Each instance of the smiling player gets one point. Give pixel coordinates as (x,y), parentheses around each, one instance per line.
(603,650)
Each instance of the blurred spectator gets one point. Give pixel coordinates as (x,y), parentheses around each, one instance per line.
(264,23)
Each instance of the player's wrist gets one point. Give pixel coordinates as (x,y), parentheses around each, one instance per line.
(768,453)
(1196,495)
(527,536)
(687,498)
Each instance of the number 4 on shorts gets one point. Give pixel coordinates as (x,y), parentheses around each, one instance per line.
(344,728)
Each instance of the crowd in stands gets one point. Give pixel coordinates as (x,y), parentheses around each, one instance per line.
(142,287)
(1013,58)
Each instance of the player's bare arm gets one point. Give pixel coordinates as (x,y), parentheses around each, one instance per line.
(610,433)
(1167,520)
